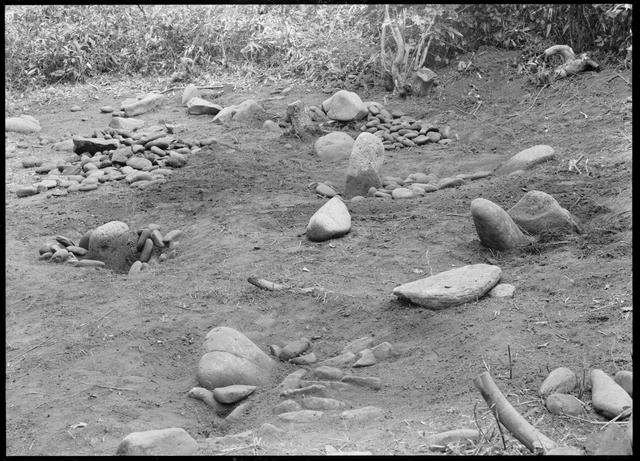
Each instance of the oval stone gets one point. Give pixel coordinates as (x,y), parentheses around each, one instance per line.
(233,393)
(495,227)
(115,244)
(451,288)
(330,221)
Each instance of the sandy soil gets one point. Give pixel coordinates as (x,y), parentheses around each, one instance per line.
(91,346)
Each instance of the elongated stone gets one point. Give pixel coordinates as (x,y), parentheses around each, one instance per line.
(495,227)
(451,288)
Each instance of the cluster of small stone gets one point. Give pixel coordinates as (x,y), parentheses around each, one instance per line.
(414,185)
(142,158)
(64,250)
(154,247)
(398,130)
(150,246)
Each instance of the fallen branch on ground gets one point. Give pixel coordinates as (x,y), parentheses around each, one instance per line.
(530,437)
(271,286)
(213,87)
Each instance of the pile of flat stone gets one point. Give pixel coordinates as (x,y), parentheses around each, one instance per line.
(124,151)
(113,245)
(398,131)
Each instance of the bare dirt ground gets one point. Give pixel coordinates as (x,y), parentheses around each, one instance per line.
(90,345)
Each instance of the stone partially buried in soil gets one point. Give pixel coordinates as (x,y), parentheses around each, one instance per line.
(330,221)
(607,397)
(232,358)
(199,106)
(451,288)
(564,404)
(561,380)
(173,441)
(526,159)
(114,244)
(92,145)
(336,145)
(495,227)
(232,394)
(365,162)
(539,213)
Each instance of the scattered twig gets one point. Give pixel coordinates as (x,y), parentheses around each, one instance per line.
(109,387)
(623,414)
(590,421)
(495,415)
(186,308)
(214,87)
(510,368)
(32,348)
(618,75)
(103,316)
(266,284)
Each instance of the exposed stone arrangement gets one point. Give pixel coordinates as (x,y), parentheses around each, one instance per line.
(114,246)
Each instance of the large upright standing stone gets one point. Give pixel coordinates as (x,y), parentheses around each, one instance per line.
(495,227)
(365,162)
(114,244)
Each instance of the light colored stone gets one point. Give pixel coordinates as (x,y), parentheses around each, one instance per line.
(322,403)
(330,221)
(24,124)
(173,441)
(336,145)
(328,372)
(371,382)
(190,91)
(139,163)
(26,191)
(526,159)
(560,380)
(306,359)
(301,416)
(607,397)
(565,451)
(359,344)
(232,358)
(365,162)
(146,104)
(495,227)
(345,106)
(114,244)
(127,124)
(286,406)
(292,380)
(539,213)
(624,379)
(401,193)
(369,413)
(451,288)
(456,435)
(233,393)
(450,182)
(382,351)
(344,359)
(294,349)
(325,190)
(199,106)
(245,111)
(306,389)
(366,359)
(564,404)
(502,290)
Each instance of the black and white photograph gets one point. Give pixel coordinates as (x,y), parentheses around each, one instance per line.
(324,229)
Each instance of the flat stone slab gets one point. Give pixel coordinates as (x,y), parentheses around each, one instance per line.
(163,442)
(526,159)
(451,288)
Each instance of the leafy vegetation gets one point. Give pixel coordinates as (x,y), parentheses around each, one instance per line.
(47,44)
